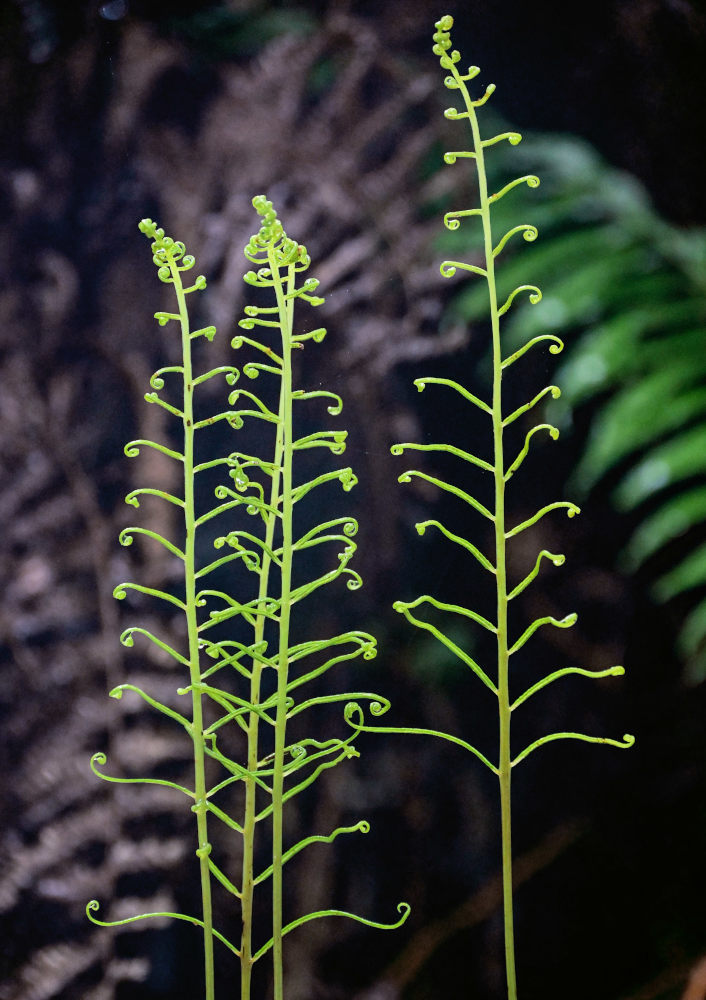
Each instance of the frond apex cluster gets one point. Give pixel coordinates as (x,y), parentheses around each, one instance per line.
(272,236)
(166,251)
(442,42)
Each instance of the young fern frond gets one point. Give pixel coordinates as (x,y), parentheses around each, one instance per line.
(257,511)
(502,470)
(172,262)
(280,263)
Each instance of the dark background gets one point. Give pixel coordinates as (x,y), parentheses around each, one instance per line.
(182,112)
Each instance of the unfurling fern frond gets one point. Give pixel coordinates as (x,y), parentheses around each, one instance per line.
(500,468)
(172,263)
(233,639)
(270,491)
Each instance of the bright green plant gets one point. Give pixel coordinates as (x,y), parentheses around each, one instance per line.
(239,638)
(501,469)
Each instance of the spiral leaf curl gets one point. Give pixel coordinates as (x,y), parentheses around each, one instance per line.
(448,268)
(117,692)
(571,511)
(407,477)
(132,449)
(421,527)
(514,138)
(531,180)
(126,538)
(553,434)
(552,390)
(452,220)
(363,643)
(529,233)
(557,560)
(565,622)
(501,470)
(421,383)
(157,382)
(355,717)
(556,346)
(450,158)
(120,593)
(334,409)
(133,501)
(535,295)
(398,449)
(127,639)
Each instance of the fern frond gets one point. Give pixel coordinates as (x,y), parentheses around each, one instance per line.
(172,261)
(483,299)
(279,261)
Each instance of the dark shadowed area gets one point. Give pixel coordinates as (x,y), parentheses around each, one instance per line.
(182,112)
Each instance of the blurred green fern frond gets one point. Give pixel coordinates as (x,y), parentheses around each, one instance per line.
(629,291)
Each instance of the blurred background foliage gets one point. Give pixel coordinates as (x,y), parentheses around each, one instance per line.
(627,292)
(122,109)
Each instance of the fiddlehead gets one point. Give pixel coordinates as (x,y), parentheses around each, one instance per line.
(501,470)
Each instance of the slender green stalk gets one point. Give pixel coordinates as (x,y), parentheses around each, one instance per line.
(246,951)
(505,755)
(200,787)
(498,516)
(285,308)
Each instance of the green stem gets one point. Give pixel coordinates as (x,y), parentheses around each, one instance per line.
(204,847)
(504,764)
(246,952)
(285,307)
